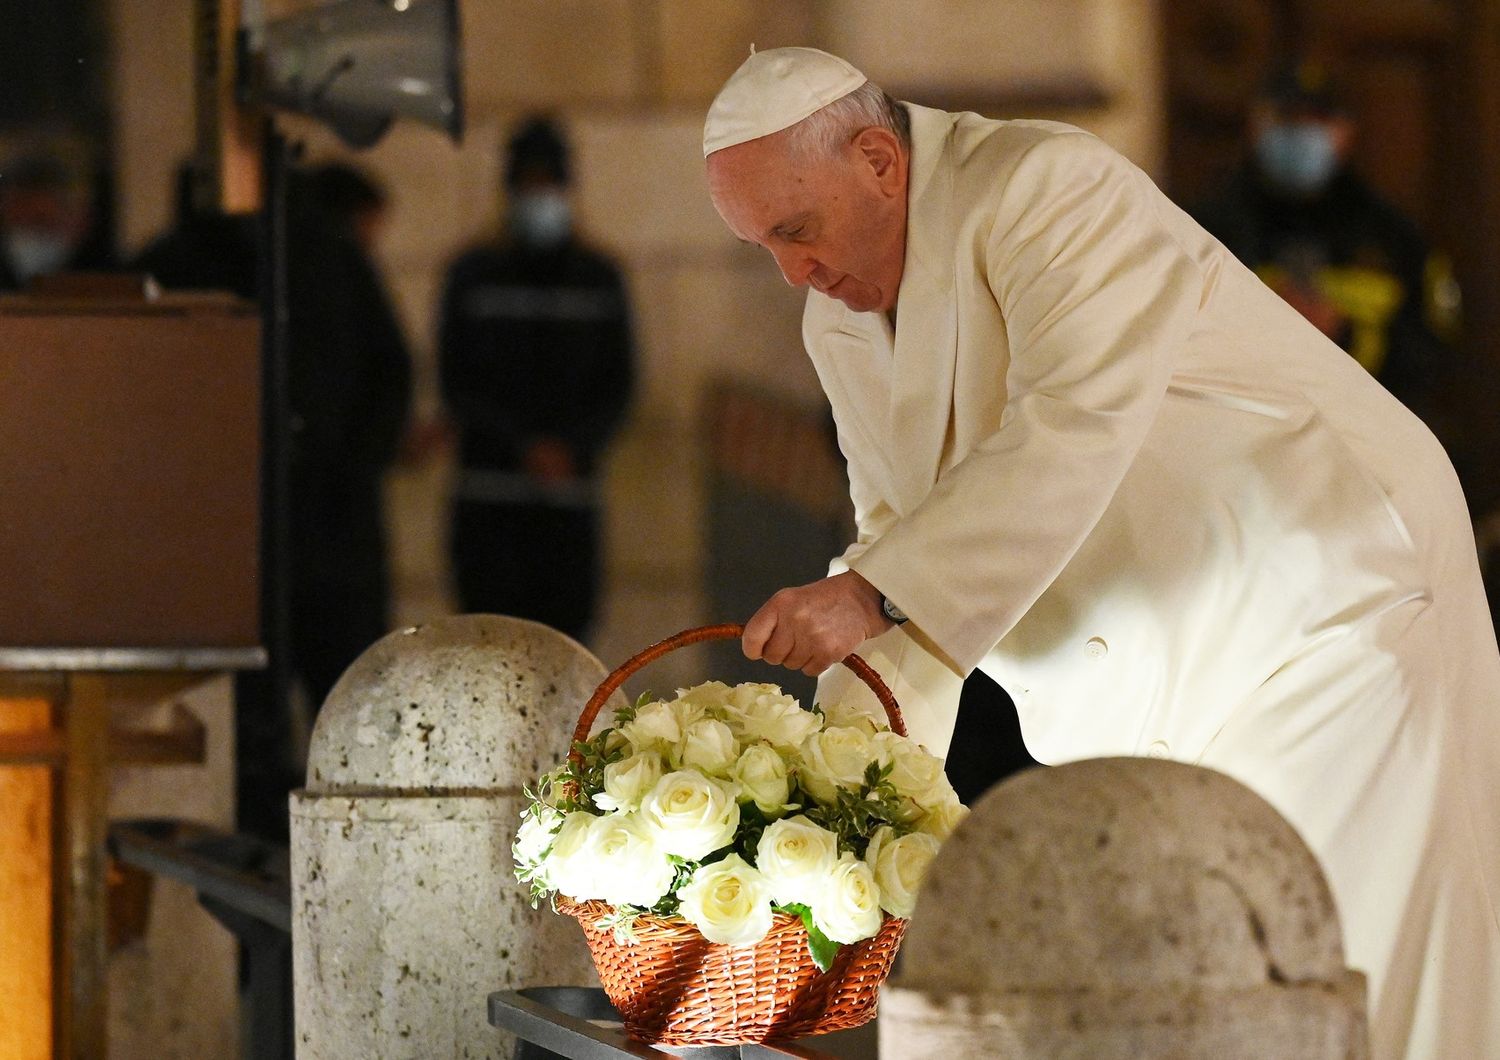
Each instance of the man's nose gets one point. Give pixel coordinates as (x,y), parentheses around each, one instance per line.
(795,265)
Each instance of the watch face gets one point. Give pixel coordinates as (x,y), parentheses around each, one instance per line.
(892,612)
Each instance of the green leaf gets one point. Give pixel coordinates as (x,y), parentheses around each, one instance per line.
(822,948)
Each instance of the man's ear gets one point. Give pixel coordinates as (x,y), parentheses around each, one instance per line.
(881,151)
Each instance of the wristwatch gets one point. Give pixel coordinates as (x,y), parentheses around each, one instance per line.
(891,611)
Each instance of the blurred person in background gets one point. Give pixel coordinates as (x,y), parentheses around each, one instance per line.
(351,396)
(348,391)
(1318,234)
(358,204)
(537,365)
(352,200)
(204,249)
(47,223)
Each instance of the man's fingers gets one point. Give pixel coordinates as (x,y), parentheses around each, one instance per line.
(797,658)
(757,631)
(781,644)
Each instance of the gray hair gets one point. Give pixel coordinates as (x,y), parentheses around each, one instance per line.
(824,132)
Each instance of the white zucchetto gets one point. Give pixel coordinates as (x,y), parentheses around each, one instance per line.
(774,90)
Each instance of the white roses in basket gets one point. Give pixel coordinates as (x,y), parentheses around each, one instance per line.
(728,805)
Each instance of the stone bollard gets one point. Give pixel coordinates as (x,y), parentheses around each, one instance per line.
(1120,908)
(406,912)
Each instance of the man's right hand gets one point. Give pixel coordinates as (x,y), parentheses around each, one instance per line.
(811,627)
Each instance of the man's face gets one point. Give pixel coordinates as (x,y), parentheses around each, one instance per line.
(834,223)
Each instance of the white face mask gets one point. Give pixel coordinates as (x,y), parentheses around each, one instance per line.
(1298,157)
(35,252)
(542,218)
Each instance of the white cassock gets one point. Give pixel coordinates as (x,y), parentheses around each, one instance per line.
(1102,462)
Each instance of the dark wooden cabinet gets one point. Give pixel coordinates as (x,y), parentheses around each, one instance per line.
(129,472)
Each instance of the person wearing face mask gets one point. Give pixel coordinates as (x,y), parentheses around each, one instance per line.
(44,221)
(1313,229)
(536,369)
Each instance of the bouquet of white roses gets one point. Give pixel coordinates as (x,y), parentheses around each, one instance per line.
(725,806)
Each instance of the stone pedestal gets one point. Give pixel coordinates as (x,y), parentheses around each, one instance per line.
(405,909)
(1120,908)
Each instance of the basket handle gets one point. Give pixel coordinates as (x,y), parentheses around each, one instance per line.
(728,631)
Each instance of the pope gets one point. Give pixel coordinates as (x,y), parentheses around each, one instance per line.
(1093,456)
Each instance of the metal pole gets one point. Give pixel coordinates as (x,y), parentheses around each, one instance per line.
(263,714)
(277,516)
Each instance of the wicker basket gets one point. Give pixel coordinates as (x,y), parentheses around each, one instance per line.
(673,986)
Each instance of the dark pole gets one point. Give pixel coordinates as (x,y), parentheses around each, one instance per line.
(263,711)
(277,478)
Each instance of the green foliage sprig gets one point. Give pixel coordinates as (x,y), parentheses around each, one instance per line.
(857,813)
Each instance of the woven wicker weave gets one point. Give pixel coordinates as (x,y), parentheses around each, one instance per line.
(672,986)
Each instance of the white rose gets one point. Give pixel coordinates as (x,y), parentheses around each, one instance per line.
(847,907)
(796,857)
(688,711)
(883,835)
(764,712)
(916,774)
(706,745)
(899,865)
(728,901)
(630,867)
(709,696)
(847,716)
(913,770)
(627,781)
(940,793)
(940,820)
(835,758)
(567,865)
(762,776)
(691,815)
(538,825)
(742,695)
(654,727)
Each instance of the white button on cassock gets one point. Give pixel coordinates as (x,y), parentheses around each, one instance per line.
(1096,648)
(1158,749)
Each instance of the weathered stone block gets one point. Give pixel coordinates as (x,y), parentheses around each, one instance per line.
(405,909)
(1124,907)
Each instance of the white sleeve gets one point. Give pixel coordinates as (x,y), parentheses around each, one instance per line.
(1098,300)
